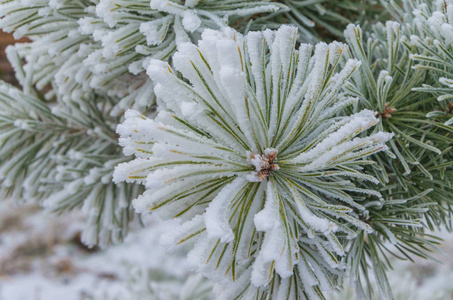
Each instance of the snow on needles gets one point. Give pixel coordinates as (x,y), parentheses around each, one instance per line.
(105,45)
(254,149)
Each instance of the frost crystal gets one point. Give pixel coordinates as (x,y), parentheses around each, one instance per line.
(253,143)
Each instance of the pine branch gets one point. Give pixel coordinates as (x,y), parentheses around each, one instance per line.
(252,157)
(389,84)
(63,155)
(104,45)
(322,20)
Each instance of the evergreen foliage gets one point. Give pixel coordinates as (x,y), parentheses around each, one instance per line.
(389,83)
(104,45)
(64,154)
(291,167)
(257,173)
(323,20)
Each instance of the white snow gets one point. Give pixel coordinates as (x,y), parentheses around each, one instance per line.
(39,260)
(190,20)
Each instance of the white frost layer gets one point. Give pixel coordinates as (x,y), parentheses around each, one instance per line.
(217,214)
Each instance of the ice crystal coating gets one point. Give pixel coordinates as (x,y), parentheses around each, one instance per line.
(63,157)
(210,159)
(105,44)
(433,36)
(390,81)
